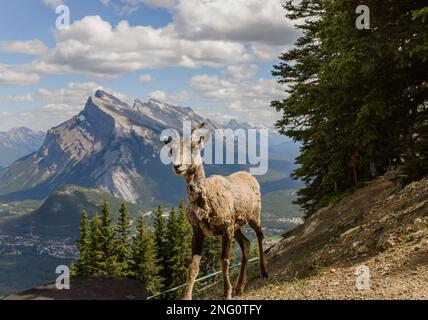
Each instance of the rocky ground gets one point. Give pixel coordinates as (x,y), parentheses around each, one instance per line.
(379,226)
(398,273)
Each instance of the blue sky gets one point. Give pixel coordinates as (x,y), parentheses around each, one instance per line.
(215,56)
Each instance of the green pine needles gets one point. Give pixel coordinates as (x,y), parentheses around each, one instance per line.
(357,99)
(157,256)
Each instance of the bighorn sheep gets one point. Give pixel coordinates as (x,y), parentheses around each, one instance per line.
(217,206)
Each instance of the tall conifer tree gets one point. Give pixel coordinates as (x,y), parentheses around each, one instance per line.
(357,99)
(108,241)
(97,263)
(160,240)
(123,241)
(144,265)
(83,245)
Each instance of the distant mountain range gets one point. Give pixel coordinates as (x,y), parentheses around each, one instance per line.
(110,146)
(17,143)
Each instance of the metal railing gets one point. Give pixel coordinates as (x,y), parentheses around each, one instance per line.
(199,280)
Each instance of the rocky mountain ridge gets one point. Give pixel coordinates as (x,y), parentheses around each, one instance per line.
(111,146)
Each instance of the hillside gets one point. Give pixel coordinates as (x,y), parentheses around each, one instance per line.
(32,244)
(377,226)
(59,215)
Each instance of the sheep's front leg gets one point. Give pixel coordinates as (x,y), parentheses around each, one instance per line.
(225,256)
(197,245)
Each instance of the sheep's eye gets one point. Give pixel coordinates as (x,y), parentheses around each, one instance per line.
(170,152)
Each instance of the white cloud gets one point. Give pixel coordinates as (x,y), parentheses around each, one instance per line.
(92,46)
(158,95)
(158,3)
(13,98)
(59,105)
(145,78)
(17,76)
(181,97)
(35,47)
(126,7)
(235,106)
(64,103)
(252,21)
(4,114)
(61,108)
(214,87)
(241,72)
(212,33)
(75,94)
(53,3)
(238,91)
(47,116)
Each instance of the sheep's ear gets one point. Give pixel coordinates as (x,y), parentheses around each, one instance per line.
(198,126)
(167,140)
(206,136)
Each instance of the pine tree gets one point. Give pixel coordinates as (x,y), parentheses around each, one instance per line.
(211,255)
(123,241)
(355,96)
(144,265)
(108,241)
(160,240)
(171,253)
(83,245)
(184,240)
(178,253)
(97,263)
(254,253)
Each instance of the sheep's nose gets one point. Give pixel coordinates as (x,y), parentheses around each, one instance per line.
(176,166)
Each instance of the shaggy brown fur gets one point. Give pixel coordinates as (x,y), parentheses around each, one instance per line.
(218,206)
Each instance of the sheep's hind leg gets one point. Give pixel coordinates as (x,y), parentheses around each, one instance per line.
(256,226)
(244,244)
(225,256)
(192,273)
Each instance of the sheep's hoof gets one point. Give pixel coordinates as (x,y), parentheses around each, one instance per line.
(228,295)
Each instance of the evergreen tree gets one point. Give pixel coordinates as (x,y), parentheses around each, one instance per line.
(108,241)
(178,250)
(184,241)
(82,266)
(171,253)
(211,255)
(254,252)
(97,264)
(356,97)
(160,240)
(144,265)
(123,241)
